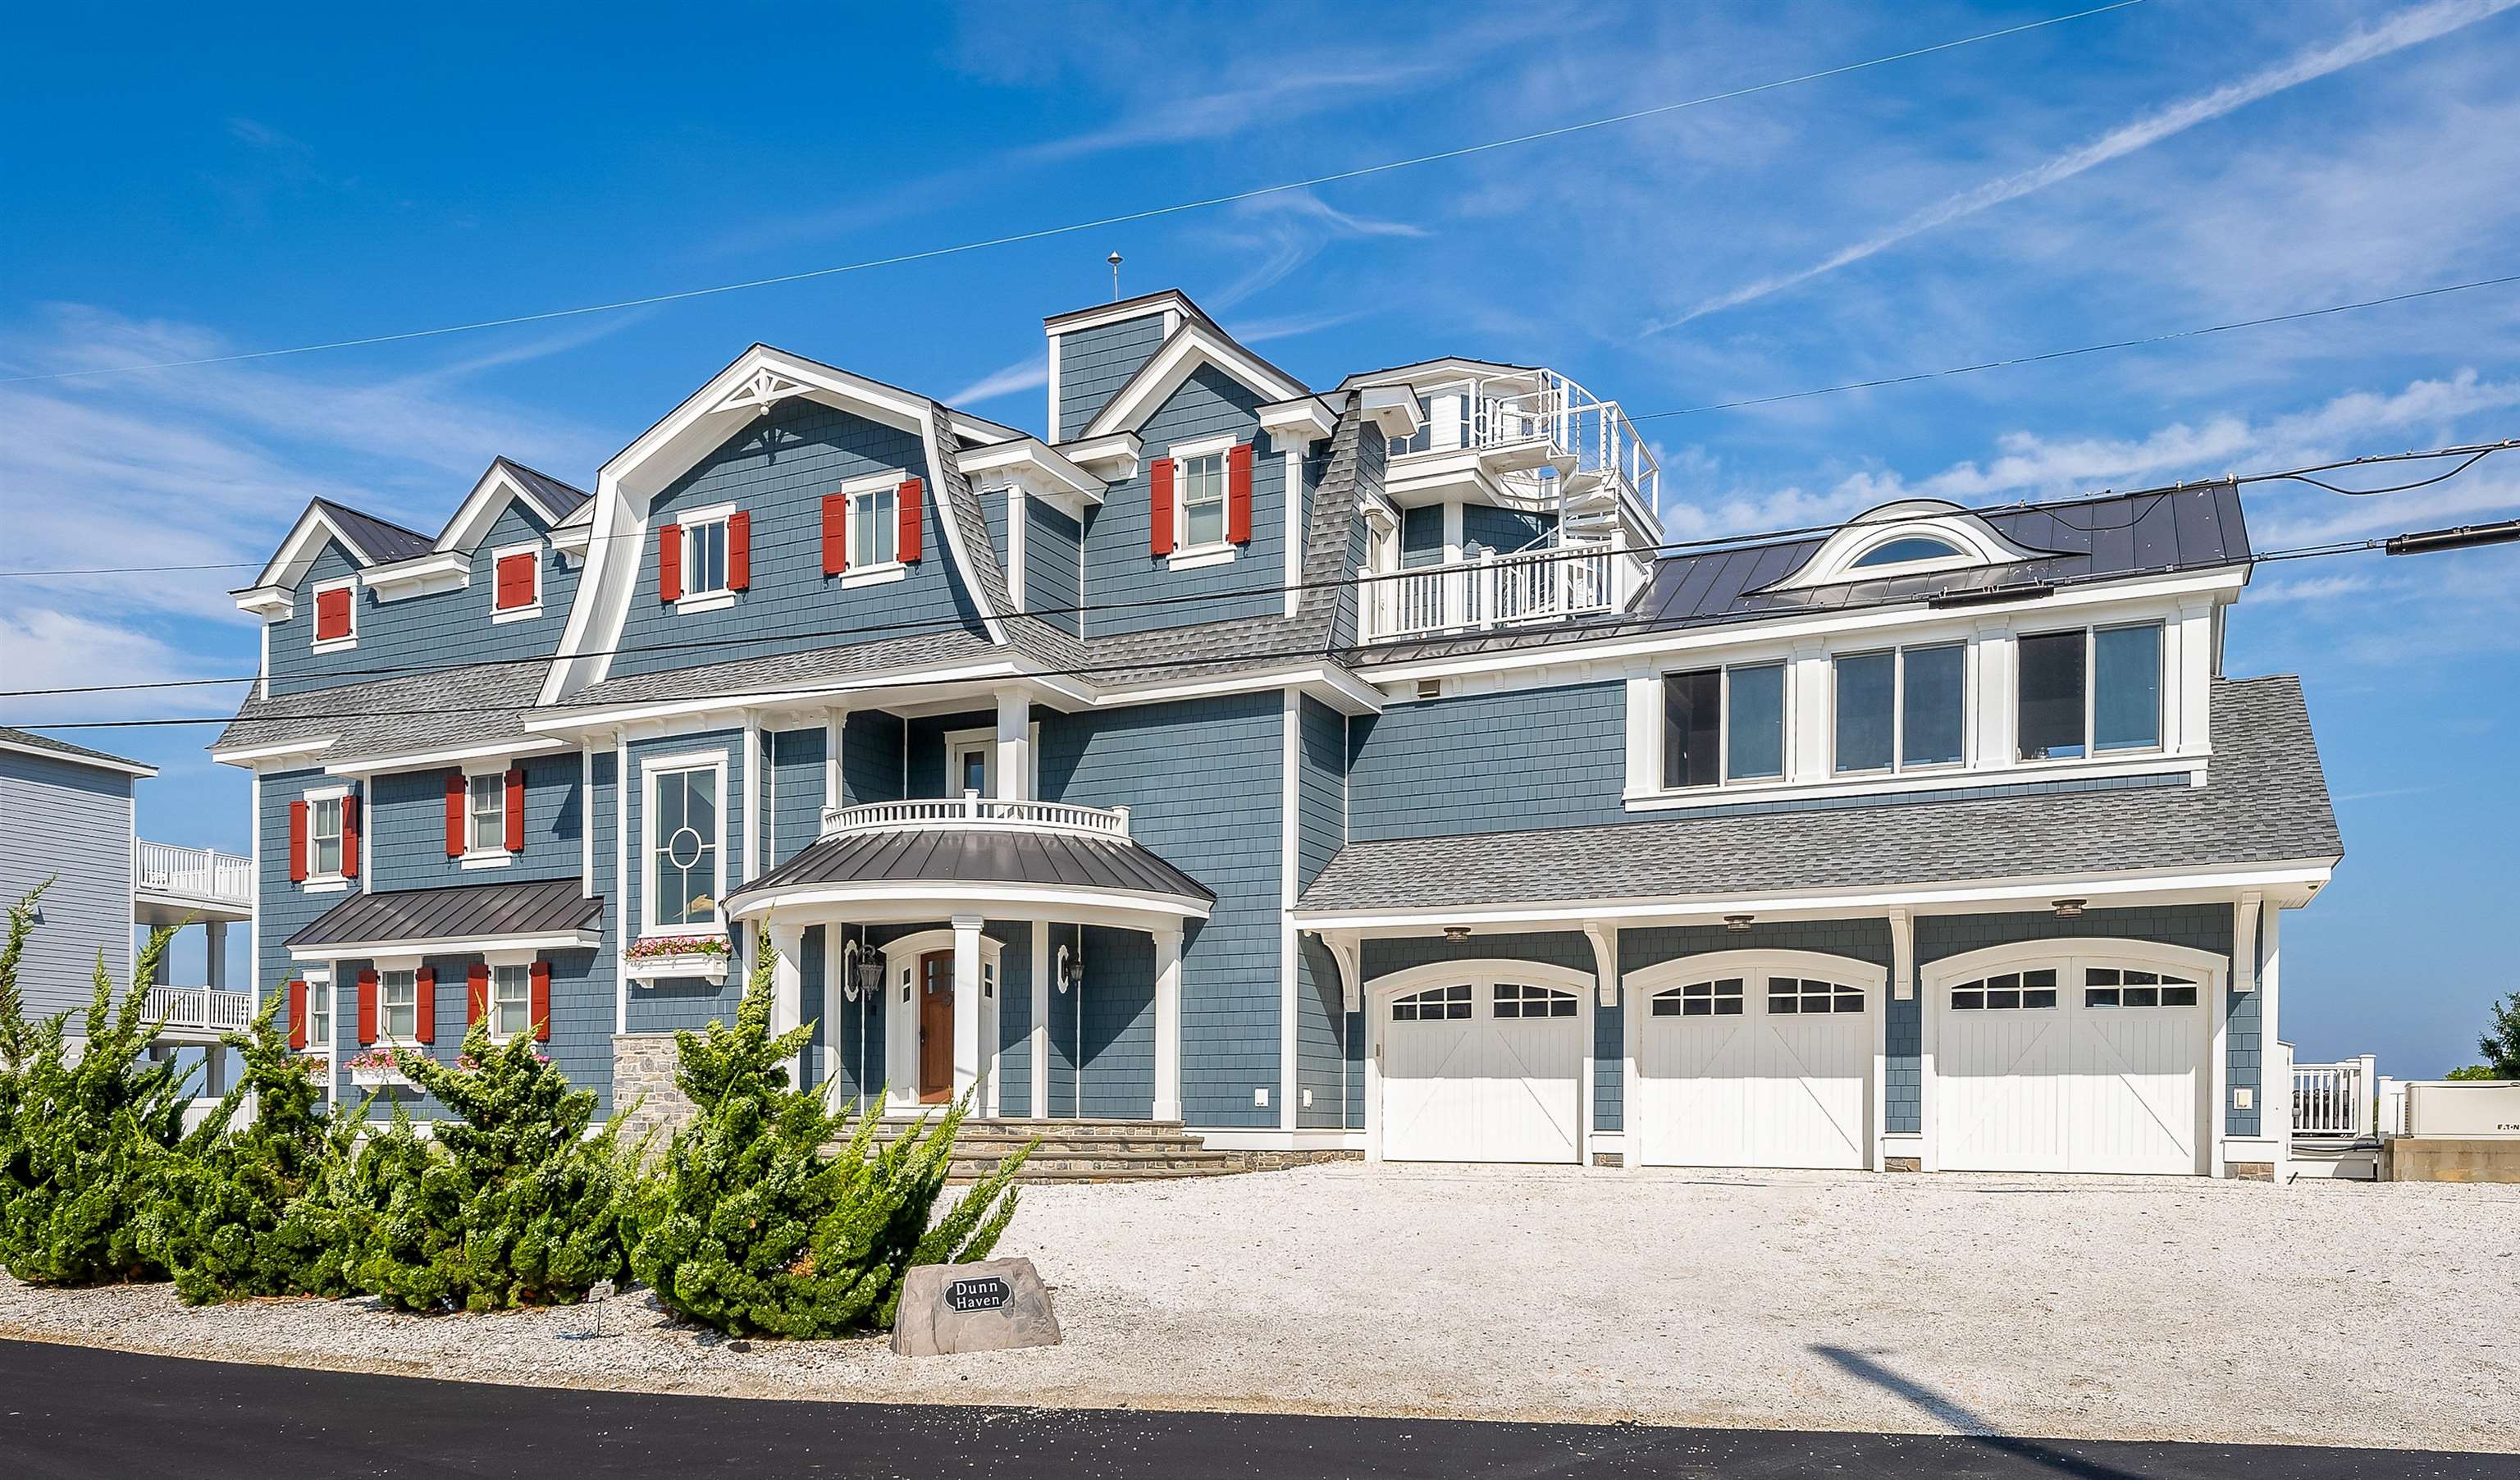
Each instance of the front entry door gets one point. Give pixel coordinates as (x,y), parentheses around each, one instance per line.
(936,1027)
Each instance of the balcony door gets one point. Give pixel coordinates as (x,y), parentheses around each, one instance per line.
(968,767)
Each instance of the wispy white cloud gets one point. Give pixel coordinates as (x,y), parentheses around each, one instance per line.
(2405,28)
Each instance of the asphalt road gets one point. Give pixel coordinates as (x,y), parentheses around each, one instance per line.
(74,1412)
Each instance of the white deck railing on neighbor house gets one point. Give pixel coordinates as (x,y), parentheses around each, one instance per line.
(202,873)
(2334,1100)
(1493,591)
(973,810)
(201,1009)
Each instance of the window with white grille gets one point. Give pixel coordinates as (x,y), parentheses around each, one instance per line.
(1721,998)
(1435,1004)
(1517,999)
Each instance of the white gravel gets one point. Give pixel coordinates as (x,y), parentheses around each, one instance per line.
(2094,1308)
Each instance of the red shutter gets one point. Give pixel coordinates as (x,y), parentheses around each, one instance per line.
(836,533)
(515,582)
(538,1003)
(297,1014)
(515,819)
(296,842)
(455,814)
(1159,515)
(423,994)
(367,1006)
(1238,495)
(669,563)
(477,993)
(913,520)
(739,551)
(349,837)
(332,614)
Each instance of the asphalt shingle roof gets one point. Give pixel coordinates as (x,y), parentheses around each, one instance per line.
(458,912)
(2266,801)
(403,715)
(63,747)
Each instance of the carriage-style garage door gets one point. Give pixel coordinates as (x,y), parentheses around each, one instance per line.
(2082,1063)
(1755,1062)
(1482,1068)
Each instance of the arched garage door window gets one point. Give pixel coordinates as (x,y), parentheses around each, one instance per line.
(1755,1059)
(1477,1060)
(2074,1055)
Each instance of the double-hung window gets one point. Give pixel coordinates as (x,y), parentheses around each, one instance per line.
(485,812)
(398,1006)
(319,1018)
(686,841)
(1901,711)
(704,558)
(2091,691)
(874,528)
(1203,500)
(510,1001)
(324,837)
(1724,725)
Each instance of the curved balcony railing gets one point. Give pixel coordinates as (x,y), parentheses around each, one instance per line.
(973,810)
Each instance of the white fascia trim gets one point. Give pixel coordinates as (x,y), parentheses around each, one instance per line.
(272,604)
(1392,407)
(463,945)
(249,755)
(585,721)
(490,755)
(303,541)
(101,763)
(1298,423)
(1202,557)
(1192,345)
(437,571)
(1045,472)
(1202,447)
(1112,458)
(1076,321)
(980,431)
(1330,684)
(2301,878)
(2154,762)
(1642,651)
(926,899)
(573,537)
(1437,372)
(480,512)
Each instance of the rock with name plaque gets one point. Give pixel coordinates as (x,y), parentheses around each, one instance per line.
(985,1307)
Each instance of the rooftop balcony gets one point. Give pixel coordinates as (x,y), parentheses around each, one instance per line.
(1545,584)
(172,884)
(974,812)
(1538,439)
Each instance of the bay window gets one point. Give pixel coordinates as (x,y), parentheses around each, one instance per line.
(2090,691)
(1901,710)
(1724,725)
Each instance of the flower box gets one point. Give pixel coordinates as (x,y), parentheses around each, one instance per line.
(705,957)
(378,1078)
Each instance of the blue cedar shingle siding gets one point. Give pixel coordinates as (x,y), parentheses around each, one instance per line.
(1321,806)
(778,469)
(659,1007)
(1489,763)
(1557,947)
(2201,928)
(852,1040)
(406,828)
(1054,546)
(442,628)
(71,823)
(1114,1012)
(1503,530)
(926,741)
(281,909)
(1321,789)
(1066,1024)
(1421,535)
(1201,780)
(871,760)
(1095,363)
(1015,1015)
(1118,567)
(795,803)
(1320,1052)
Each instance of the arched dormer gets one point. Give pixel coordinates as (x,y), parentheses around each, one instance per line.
(1911,537)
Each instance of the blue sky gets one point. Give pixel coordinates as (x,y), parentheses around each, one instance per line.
(194,184)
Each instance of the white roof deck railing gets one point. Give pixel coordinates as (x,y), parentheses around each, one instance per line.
(202,873)
(204,1009)
(1550,583)
(971,809)
(1578,430)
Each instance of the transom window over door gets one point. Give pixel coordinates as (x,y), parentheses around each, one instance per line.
(2094,690)
(1724,725)
(1202,499)
(685,838)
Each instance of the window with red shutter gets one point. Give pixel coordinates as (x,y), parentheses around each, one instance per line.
(424,1014)
(477,993)
(539,1001)
(1159,505)
(514,577)
(332,616)
(367,1006)
(1238,494)
(297,1014)
(298,842)
(349,837)
(669,563)
(515,817)
(739,551)
(455,814)
(836,533)
(914,504)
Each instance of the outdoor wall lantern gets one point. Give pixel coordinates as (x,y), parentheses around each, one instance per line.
(1738,922)
(1456,933)
(1071,969)
(860,972)
(2070,908)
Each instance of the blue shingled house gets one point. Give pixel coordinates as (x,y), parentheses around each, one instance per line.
(1294,772)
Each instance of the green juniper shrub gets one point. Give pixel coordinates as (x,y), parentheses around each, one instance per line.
(86,1128)
(251,1213)
(511,1204)
(751,1225)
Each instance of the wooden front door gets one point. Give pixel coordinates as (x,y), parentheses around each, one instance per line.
(936,1027)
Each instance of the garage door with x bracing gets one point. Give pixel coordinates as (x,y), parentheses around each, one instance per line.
(1481,1071)
(1755,1070)
(2074,1064)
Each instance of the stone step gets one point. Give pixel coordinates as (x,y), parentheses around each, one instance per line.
(1075,1151)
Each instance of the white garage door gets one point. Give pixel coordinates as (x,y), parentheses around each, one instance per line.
(1755,1070)
(2080,1064)
(1482,1071)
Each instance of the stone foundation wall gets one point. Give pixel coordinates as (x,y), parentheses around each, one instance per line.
(1279,1161)
(643,1075)
(2250,1170)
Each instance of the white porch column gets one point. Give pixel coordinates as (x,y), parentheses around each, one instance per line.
(1168,946)
(1040,1035)
(788,988)
(214,934)
(2274,1074)
(967,1004)
(1014,745)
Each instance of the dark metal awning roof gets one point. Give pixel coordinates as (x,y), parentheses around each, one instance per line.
(984,865)
(550,913)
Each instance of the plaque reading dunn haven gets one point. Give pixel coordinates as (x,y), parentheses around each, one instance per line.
(984,1307)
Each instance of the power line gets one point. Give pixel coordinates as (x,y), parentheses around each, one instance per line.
(1045,232)
(2066,354)
(2472,454)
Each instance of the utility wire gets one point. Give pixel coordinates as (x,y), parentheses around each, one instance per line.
(2472,454)
(1045,232)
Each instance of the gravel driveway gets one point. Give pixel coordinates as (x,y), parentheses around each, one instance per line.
(2083,1307)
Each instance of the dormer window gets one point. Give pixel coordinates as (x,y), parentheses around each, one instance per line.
(706,559)
(516,583)
(1203,480)
(336,620)
(1200,502)
(1901,552)
(2093,689)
